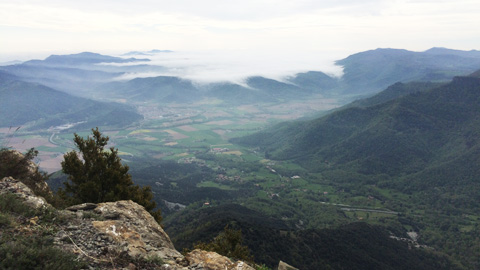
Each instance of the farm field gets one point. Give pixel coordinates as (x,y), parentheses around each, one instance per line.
(169,132)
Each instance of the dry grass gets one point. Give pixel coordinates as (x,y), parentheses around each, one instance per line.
(176,135)
(187,128)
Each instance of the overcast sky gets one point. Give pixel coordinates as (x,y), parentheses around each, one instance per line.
(308,31)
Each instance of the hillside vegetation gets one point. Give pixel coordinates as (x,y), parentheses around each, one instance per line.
(423,145)
(401,136)
(353,246)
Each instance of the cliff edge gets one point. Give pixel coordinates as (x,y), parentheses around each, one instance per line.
(111,235)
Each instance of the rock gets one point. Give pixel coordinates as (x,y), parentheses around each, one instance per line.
(118,235)
(135,217)
(133,233)
(285,266)
(28,173)
(10,185)
(201,259)
(83,207)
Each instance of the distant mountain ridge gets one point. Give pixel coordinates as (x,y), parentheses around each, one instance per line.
(160,89)
(365,73)
(82,59)
(374,70)
(166,89)
(76,74)
(446,51)
(146,53)
(39,106)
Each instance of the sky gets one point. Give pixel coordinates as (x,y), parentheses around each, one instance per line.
(281,36)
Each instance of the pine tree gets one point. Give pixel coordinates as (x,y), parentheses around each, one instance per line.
(98,175)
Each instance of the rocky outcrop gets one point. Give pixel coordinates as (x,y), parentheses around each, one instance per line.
(20,166)
(201,259)
(10,185)
(285,266)
(117,235)
(100,232)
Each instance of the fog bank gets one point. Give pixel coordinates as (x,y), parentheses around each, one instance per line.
(236,66)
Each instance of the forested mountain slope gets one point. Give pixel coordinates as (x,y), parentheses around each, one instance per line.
(353,246)
(403,135)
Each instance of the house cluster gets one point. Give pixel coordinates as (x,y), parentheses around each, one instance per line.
(192,160)
(223,177)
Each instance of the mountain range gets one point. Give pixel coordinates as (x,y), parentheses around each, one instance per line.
(401,135)
(94,75)
(37,106)
(372,71)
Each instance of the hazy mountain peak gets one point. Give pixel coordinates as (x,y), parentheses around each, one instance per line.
(82,58)
(151,52)
(446,51)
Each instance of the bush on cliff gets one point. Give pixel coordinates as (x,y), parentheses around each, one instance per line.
(98,175)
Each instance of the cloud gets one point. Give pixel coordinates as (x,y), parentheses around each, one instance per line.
(340,27)
(236,66)
(212,9)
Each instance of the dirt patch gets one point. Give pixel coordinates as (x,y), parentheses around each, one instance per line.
(187,128)
(160,156)
(220,123)
(149,139)
(50,163)
(176,135)
(139,131)
(171,143)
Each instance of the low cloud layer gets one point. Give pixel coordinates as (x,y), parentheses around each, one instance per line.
(236,66)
